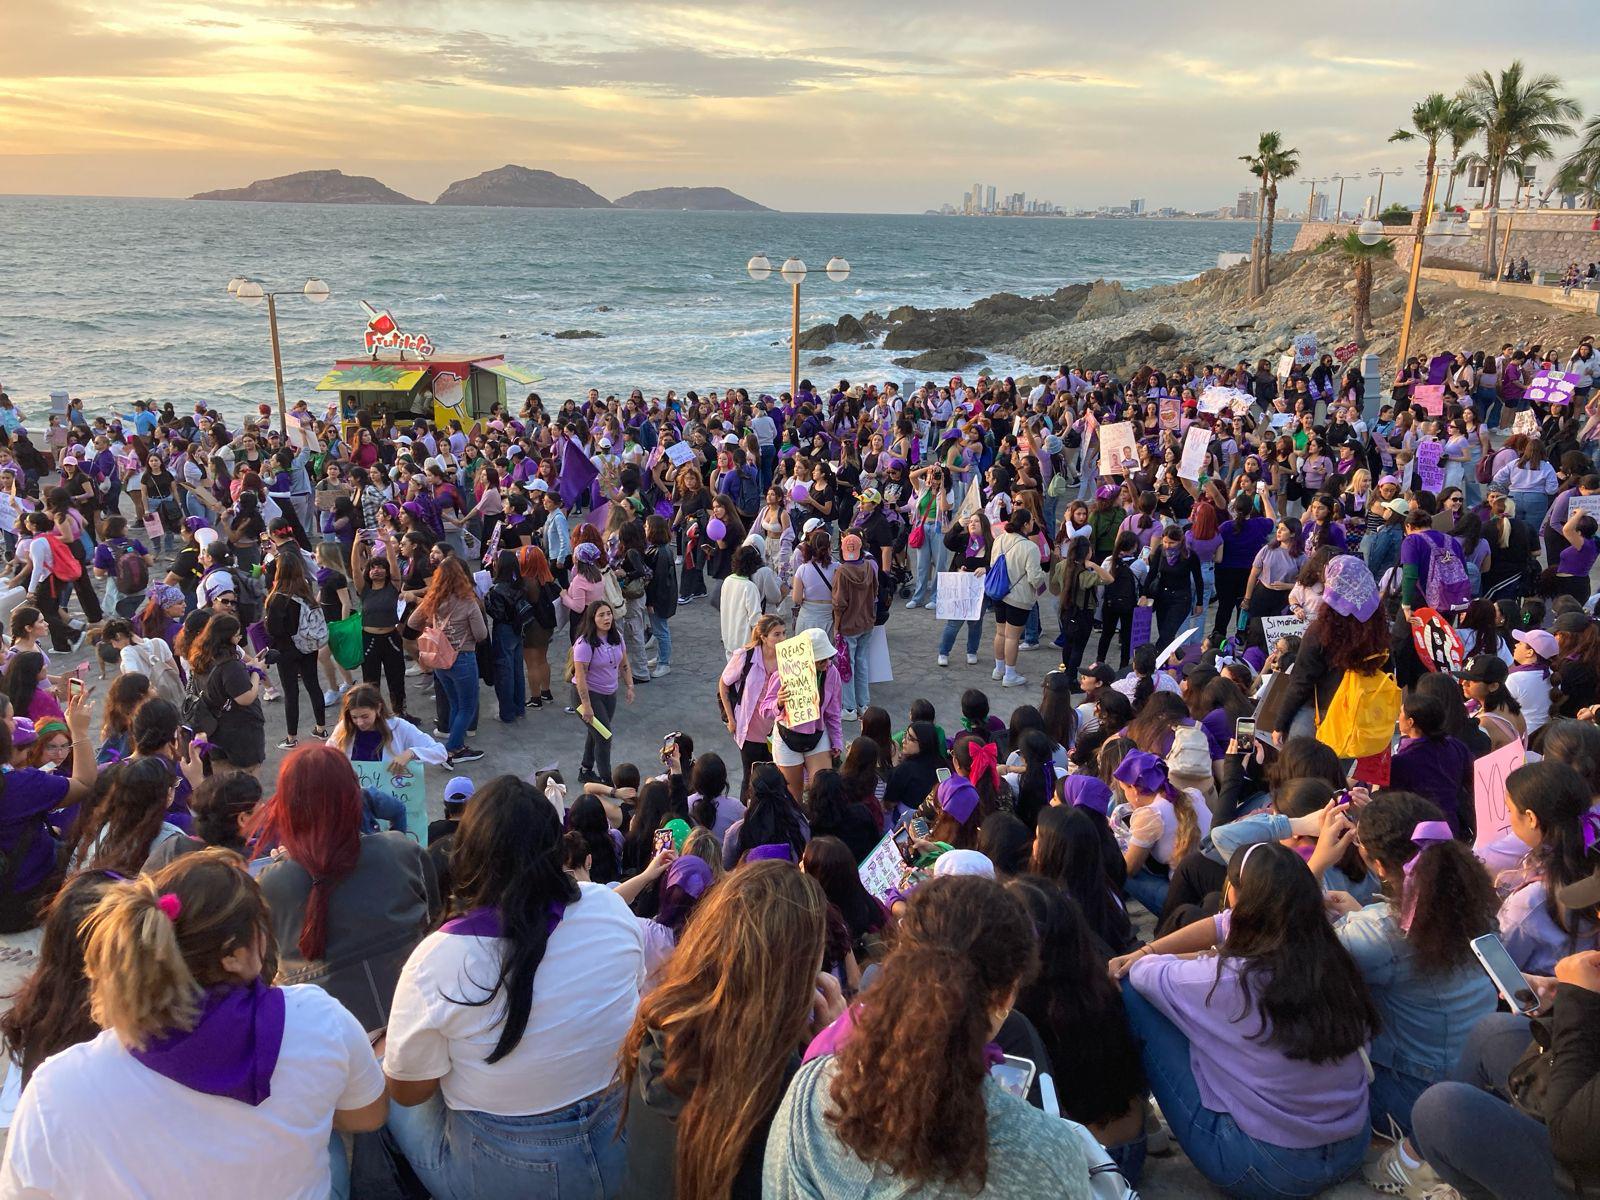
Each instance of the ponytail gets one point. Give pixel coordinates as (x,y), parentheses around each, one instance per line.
(1450,900)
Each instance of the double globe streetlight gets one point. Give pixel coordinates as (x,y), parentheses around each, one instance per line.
(794,272)
(250,292)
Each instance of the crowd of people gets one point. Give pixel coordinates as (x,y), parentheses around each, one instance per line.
(1225,881)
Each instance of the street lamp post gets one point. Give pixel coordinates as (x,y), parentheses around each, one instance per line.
(1379,174)
(1311,201)
(793,272)
(1427,227)
(248,291)
(1338,205)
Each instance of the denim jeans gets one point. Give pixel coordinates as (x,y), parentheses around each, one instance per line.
(1392,1096)
(1226,1155)
(658,626)
(573,1153)
(1149,889)
(460,686)
(1030,627)
(510,680)
(858,692)
(926,563)
(1531,507)
(947,639)
(1469,1133)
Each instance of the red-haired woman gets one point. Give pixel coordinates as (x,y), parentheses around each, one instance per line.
(347,907)
(451,605)
(1349,633)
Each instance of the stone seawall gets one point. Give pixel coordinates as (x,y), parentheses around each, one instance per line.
(1548,238)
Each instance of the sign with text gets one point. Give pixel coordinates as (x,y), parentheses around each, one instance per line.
(1171,411)
(383,333)
(1489,791)
(1551,387)
(408,788)
(1273,628)
(1430,473)
(960,596)
(1429,397)
(798,674)
(1118,456)
(680,453)
(1214,399)
(1525,422)
(1586,504)
(1195,444)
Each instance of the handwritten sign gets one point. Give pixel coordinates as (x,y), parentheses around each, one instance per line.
(1273,628)
(1489,791)
(1171,411)
(1117,453)
(798,674)
(960,595)
(1142,625)
(409,789)
(1195,444)
(1586,504)
(1429,397)
(1215,399)
(680,453)
(882,869)
(1551,387)
(1430,473)
(1525,422)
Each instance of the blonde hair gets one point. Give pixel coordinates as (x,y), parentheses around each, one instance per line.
(1188,823)
(702,844)
(330,554)
(764,625)
(147,970)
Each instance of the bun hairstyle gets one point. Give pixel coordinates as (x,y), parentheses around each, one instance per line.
(147,969)
(907,1092)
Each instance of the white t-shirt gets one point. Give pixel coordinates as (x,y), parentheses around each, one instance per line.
(585,994)
(1155,827)
(94,1121)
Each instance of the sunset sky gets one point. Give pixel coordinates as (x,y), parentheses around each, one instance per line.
(827,105)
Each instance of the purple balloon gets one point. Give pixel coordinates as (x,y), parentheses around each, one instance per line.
(799,492)
(716,530)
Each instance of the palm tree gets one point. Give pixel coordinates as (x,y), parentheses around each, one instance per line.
(1464,126)
(1580,174)
(1362,256)
(1521,115)
(1271,162)
(1432,120)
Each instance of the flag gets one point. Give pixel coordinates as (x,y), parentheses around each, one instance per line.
(577,474)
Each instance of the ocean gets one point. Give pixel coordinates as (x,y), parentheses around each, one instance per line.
(119,299)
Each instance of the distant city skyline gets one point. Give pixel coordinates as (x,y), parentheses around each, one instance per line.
(821,107)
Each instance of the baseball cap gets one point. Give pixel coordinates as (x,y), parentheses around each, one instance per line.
(459,790)
(870,496)
(1485,668)
(1098,671)
(1540,641)
(850,547)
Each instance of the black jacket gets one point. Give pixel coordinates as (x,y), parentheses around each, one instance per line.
(661,593)
(1171,582)
(1572,1097)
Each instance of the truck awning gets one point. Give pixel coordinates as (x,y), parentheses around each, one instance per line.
(371,379)
(514,374)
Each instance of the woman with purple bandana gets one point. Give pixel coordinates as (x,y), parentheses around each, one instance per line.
(194,1040)
(1347,634)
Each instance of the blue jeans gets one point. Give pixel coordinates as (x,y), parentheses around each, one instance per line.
(1030,628)
(510,680)
(947,639)
(570,1154)
(1230,1158)
(1392,1096)
(925,566)
(460,687)
(658,626)
(858,692)
(1489,406)
(1531,507)
(1149,889)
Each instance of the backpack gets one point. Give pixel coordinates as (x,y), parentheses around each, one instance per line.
(749,489)
(1361,718)
(434,651)
(997,580)
(736,688)
(311,632)
(1485,471)
(64,565)
(1191,751)
(1448,585)
(1122,591)
(132,572)
(612,593)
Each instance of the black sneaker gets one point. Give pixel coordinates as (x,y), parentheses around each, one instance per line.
(536,702)
(464,755)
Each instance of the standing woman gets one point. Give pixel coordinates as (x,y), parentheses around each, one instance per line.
(451,606)
(382,648)
(290,602)
(1276,567)
(803,748)
(1244,535)
(739,690)
(1174,583)
(812,592)
(542,591)
(970,545)
(503,1040)
(599,666)
(1532,481)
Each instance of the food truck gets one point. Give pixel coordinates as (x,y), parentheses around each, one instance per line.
(404,374)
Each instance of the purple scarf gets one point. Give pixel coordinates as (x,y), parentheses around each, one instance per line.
(233,1048)
(486,922)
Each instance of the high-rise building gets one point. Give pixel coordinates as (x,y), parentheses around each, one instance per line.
(988,205)
(966,202)
(1369,208)
(1136,205)
(1319,207)
(977,197)
(1244,207)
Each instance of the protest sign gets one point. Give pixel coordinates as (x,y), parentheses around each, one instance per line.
(680,453)
(1439,368)
(882,869)
(1429,397)
(153,529)
(960,595)
(1551,387)
(408,788)
(1117,453)
(302,438)
(1143,625)
(879,669)
(1171,411)
(1586,504)
(1489,791)
(1273,628)
(1430,474)
(1175,643)
(1525,422)
(1214,399)
(798,674)
(1195,443)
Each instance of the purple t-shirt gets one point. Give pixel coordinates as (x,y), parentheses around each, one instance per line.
(27,796)
(1241,542)
(602,661)
(1576,560)
(105,556)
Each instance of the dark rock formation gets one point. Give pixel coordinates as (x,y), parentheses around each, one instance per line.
(572,335)
(940,360)
(522,187)
(695,199)
(313,187)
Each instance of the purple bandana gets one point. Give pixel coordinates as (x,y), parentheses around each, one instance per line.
(958,798)
(232,1049)
(1087,791)
(486,923)
(780,851)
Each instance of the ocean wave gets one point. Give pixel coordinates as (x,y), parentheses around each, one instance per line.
(436,298)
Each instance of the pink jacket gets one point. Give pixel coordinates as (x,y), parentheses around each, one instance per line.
(832,694)
(581,593)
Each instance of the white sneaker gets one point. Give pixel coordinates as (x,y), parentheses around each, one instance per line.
(1012,679)
(1392,1175)
(999,672)
(330,697)
(849,714)
(972,660)
(944,660)
(413,670)
(664,669)
(1027,645)
(911,604)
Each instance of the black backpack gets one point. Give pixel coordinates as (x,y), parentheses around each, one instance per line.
(735,689)
(1123,589)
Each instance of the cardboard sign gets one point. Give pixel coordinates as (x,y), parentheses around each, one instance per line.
(1273,628)
(1214,399)
(1171,411)
(799,680)
(410,789)
(1429,397)
(680,453)
(960,595)
(1195,444)
(154,529)
(1585,504)
(1525,422)
(1551,387)
(302,438)
(1118,455)
(1489,791)
(1430,474)
(1143,625)
(879,669)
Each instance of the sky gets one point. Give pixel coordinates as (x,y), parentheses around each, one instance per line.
(826,105)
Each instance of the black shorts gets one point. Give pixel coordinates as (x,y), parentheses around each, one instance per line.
(1006,614)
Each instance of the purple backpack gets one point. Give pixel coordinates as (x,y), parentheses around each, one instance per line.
(1448,586)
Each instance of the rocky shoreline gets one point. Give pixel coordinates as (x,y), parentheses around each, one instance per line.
(1210,318)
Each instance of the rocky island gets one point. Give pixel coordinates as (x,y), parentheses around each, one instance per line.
(512,186)
(313,187)
(692,199)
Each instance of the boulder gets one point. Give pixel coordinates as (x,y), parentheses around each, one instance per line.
(940,360)
(821,360)
(850,330)
(819,337)
(1105,300)
(572,335)
(1162,332)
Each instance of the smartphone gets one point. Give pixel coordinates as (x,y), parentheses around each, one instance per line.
(1244,730)
(1015,1075)
(1508,980)
(942,774)
(902,842)
(662,841)
(75,686)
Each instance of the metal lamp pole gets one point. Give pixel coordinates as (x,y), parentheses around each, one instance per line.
(1379,174)
(1338,205)
(794,272)
(248,291)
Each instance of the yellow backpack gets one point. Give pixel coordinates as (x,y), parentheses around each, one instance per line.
(1361,719)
